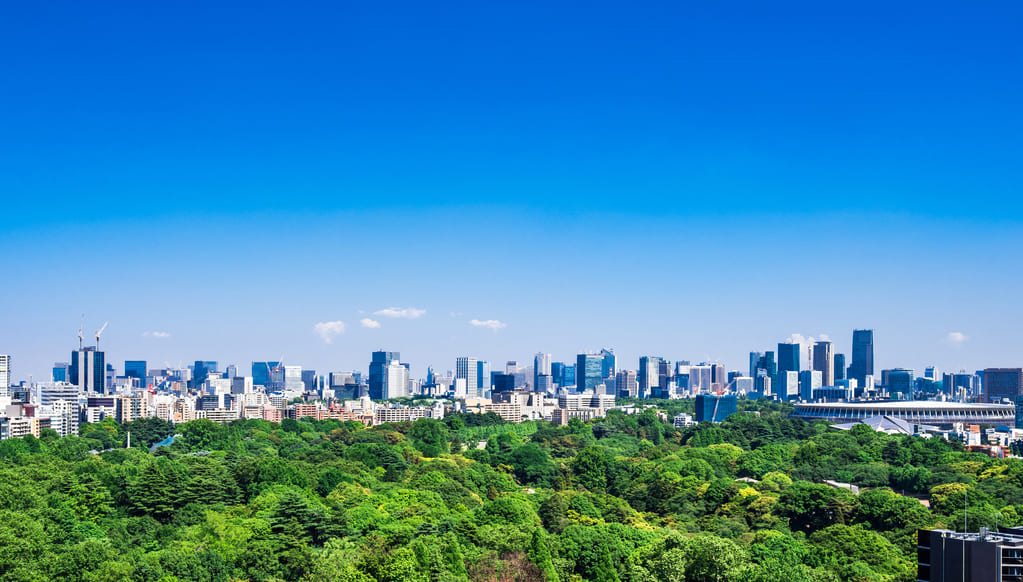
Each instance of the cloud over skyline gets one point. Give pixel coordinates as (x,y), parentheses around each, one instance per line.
(156,334)
(371,324)
(488,323)
(955,338)
(401,312)
(328,330)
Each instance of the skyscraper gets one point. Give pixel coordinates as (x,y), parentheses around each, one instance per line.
(60,371)
(862,355)
(900,381)
(202,370)
(754,363)
(468,369)
(1003,383)
(378,373)
(824,361)
(482,377)
(626,385)
(788,357)
(136,369)
(88,370)
(396,376)
(839,367)
(608,363)
(541,367)
(648,375)
(5,376)
(587,372)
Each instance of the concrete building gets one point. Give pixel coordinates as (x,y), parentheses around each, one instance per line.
(950,556)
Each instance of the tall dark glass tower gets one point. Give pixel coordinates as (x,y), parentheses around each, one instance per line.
(788,357)
(862,355)
(587,372)
(378,371)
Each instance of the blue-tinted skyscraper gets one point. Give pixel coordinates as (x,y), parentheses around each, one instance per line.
(378,371)
(482,376)
(88,370)
(900,383)
(136,369)
(202,370)
(587,372)
(788,357)
(862,356)
(60,372)
(839,367)
(265,373)
(608,363)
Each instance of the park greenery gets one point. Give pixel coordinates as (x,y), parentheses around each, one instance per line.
(626,498)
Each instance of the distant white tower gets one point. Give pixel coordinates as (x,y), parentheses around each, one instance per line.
(467,368)
(5,376)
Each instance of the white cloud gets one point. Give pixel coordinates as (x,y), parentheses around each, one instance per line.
(488,323)
(328,329)
(367,322)
(156,334)
(956,338)
(401,312)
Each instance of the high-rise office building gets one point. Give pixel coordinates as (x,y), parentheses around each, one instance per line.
(1002,383)
(809,380)
(136,369)
(700,378)
(900,381)
(5,376)
(839,367)
(395,377)
(718,377)
(664,379)
(60,371)
(754,363)
(587,372)
(824,361)
(626,384)
(267,375)
(788,357)
(504,383)
(862,355)
(293,379)
(467,368)
(608,363)
(482,377)
(787,387)
(648,375)
(201,371)
(88,370)
(378,373)
(541,367)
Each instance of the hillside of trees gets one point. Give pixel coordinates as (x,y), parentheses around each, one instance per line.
(624,498)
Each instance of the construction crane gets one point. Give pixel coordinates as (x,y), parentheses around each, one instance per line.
(100,332)
(80,326)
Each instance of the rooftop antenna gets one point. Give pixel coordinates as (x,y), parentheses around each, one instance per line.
(99,332)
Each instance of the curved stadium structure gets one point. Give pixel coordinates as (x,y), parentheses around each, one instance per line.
(921,412)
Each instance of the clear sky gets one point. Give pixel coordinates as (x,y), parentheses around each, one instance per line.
(693,180)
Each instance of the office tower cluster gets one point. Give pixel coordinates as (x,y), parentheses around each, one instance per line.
(89,388)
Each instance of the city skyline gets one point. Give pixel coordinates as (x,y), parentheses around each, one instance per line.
(684,181)
(418,368)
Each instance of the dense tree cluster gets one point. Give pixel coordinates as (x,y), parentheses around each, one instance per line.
(624,498)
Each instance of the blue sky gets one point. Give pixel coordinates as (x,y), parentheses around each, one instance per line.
(692,181)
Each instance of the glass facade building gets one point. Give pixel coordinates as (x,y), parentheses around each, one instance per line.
(588,372)
(378,373)
(862,356)
(136,369)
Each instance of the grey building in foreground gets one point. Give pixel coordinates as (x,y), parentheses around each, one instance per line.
(948,556)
